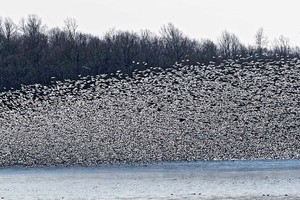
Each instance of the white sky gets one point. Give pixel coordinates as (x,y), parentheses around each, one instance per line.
(196,18)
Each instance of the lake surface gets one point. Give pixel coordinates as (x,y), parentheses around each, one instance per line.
(259,179)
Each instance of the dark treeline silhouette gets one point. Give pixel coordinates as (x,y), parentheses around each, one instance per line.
(30,53)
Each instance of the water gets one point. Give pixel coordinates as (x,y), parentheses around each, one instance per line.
(260,179)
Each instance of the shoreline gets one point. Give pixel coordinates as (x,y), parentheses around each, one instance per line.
(206,165)
(168,181)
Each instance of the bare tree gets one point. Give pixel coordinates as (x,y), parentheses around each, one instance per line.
(8,33)
(229,45)
(8,29)
(34,47)
(70,27)
(151,48)
(175,42)
(73,53)
(127,48)
(282,46)
(208,50)
(261,41)
(32,26)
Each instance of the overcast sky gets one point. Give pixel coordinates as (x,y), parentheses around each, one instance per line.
(196,18)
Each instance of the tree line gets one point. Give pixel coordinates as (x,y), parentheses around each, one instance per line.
(31,53)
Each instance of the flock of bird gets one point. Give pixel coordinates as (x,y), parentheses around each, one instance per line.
(237,109)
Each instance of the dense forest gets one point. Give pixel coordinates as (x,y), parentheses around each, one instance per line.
(31,53)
